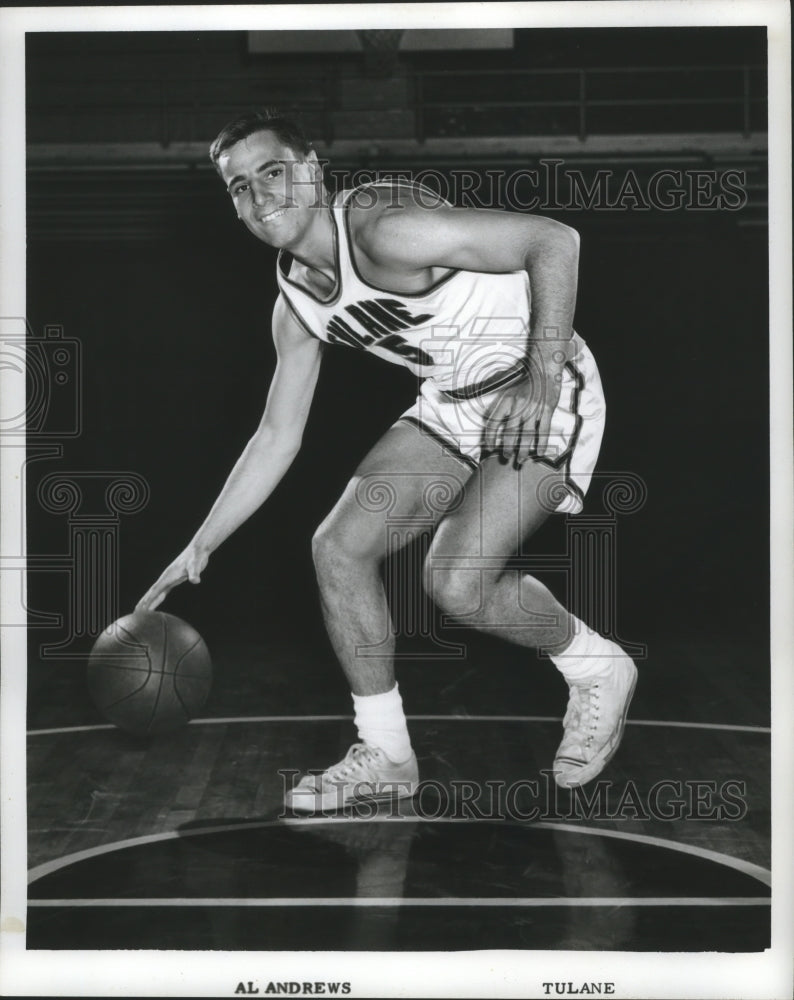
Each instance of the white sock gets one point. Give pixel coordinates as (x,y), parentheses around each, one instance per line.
(380,722)
(588,655)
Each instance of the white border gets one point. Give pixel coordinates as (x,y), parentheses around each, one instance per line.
(468,974)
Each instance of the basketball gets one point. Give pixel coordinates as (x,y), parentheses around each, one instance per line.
(149,673)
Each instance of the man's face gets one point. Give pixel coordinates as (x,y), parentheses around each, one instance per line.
(274,192)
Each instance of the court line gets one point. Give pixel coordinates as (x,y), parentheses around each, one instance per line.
(496,901)
(738,864)
(230,720)
(48,867)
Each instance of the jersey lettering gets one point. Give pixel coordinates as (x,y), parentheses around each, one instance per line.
(340,332)
(379,320)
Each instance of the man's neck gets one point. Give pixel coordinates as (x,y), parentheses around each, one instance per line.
(315,248)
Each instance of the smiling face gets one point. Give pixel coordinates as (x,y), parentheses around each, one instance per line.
(275,192)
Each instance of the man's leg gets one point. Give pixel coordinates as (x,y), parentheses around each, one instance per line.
(467,571)
(379,511)
(468,575)
(382,508)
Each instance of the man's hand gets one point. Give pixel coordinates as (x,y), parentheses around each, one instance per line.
(519,425)
(188,565)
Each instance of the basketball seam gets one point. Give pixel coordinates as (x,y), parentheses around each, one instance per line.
(162,668)
(176,673)
(137,643)
(186,653)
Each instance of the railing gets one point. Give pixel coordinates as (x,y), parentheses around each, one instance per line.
(743,102)
(575,101)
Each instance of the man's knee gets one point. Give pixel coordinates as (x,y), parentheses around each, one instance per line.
(455,590)
(338,543)
(328,544)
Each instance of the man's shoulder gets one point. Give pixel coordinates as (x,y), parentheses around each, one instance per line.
(371,207)
(369,201)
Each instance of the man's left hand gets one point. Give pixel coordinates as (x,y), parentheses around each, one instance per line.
(518,426)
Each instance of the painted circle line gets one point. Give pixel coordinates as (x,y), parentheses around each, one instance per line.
(745,867)
(232,720)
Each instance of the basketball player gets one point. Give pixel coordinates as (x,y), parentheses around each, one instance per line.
(508,423)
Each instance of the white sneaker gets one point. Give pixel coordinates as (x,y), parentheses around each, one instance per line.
(594,723)
(365,775)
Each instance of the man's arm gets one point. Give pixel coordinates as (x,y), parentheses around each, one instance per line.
(407,237)
(265,459)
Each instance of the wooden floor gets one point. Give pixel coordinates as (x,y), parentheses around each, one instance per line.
(692,773)
(100,786)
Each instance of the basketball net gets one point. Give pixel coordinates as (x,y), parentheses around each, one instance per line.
(381,46)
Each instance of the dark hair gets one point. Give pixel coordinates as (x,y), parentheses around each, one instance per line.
(286,130)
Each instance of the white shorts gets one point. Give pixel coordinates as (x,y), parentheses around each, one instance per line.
(577,426)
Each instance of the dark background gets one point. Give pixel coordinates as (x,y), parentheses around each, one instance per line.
(171,299)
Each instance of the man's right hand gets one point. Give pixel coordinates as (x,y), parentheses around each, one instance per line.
(188,565)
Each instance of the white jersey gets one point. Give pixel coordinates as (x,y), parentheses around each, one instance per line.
(467,331)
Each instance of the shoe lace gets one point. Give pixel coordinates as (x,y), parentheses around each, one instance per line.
(583,712)
(357,762)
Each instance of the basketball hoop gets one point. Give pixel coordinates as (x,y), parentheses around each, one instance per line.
(381,46)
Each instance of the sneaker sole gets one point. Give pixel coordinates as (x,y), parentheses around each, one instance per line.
(594,767)
(329,802)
